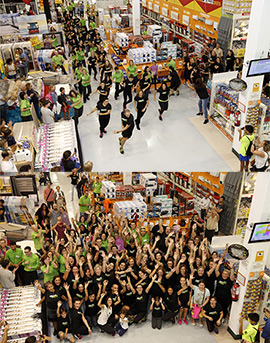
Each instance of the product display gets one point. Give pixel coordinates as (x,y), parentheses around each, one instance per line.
(18,210)
(53,140)
(252,296)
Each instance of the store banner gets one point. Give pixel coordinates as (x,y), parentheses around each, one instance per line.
(32,25)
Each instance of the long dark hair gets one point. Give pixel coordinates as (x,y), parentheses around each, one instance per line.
(199,83)
(65,160)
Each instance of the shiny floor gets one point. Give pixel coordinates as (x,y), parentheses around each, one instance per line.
(180,141)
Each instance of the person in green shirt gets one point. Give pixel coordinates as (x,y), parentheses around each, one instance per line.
(15,257)
(37,236)
(77,104)
(249,334)
(30,263)
(25,107)
(85,203)
(97,187)
(132,70)
(57,59)
(81,56)
(79,73)
(143,237)
(70,8)
(171,63)
(118,78)
(93,24)
(49,269)
(86,85)
(82,21)
(245,140)
(55,42)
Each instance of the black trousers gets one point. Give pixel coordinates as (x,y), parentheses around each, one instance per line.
(109,326)
(26,118)
(138,316)
(154,82)
(209,234)
(3,112)
(210,325)
(203,213)
(163,106)
(167,316)
(225,304)
(81,330)
(118,90)
(77,114)
(29,277)
(86,92)
(90,68)
(18,275)
(129,96)
(140,114)
(63,69)
(103,122)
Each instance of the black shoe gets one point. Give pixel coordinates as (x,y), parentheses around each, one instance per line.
(160,118)
(54,332)
(199,114)
(137,126)
(104,131)
(206,121)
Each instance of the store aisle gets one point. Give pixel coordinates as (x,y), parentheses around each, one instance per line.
(173,143)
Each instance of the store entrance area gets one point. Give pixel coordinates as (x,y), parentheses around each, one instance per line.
(181,139)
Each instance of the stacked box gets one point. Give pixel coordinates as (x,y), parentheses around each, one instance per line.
(139,189)
(129,208)
(155,31)
(101,31)
(166,207)
(142,55)
(170,49)
(175,210)
(121,39)
(129,191)
(109,189)
(137,197)
(149,181)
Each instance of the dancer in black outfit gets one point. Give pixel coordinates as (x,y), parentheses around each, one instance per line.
(141,103)
(104,109)
(164,95)
(128,85)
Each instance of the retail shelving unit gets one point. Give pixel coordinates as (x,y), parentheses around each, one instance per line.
(5,186)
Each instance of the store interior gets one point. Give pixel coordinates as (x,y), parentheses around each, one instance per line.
(144,33)
(176,198)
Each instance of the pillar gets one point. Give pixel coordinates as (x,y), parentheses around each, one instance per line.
(127,178)
(257,46)
(259,212)
(136,17)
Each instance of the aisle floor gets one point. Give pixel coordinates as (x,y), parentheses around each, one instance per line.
(175,143)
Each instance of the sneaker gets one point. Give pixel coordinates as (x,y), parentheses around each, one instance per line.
(160,118)
(101,135)
(199,114)
(193,323)
(216,330)
(206,121)
(177,92)
(130,322)
(121,151)
(173,320)
(138,127)
(201,325)
(104,131)
(180,321)
(119,139)
(185,321)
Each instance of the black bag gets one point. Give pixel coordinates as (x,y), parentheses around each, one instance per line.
(257,337)
(248,151)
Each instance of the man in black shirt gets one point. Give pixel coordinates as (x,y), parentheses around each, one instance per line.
(213,314)
(74,181)
(128,85)
(140,103)
(127,128)
(104,108)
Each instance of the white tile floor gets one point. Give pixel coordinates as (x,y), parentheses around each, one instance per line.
(174,144)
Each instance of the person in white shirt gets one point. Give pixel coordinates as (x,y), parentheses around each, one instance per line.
(218,51)
(46,114)
(261,151)
(8,166)
(105,320)
(6,276)
(205,203)
(59,197)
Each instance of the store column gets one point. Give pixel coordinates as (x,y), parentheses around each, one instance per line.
(136,17)
(251,269)
(257,47)
(127,178)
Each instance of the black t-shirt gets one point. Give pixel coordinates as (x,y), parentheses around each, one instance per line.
(103,109)
(202,92)
(213,312)
(141,101)
(63,324)
(210,281)
(128,298)
(174,78)
(74,179)
(144,83)
(108,83)
(141,302)
(184,296)
(92,61)
(131,251)
(128,121)
(171,302)
(164,94)
(230,61)
(76,318)
(156,290)
(103,93)
(198,278)
(172,280)
(51,299)
(223,288)
(91,308)
(128,85)
(157,311)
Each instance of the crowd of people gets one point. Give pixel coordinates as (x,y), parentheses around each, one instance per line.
(100,272)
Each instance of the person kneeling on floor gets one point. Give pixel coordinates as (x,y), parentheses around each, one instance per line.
(213,314)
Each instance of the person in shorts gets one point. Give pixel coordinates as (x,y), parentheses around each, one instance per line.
(245,140)
(127,128)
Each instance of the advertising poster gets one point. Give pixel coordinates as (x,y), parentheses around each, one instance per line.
(32,25)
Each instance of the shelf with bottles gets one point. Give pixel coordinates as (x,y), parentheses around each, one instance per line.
(225,126)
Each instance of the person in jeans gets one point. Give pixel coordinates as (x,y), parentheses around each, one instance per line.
(74,182)
(31,263)
(201,90)
(77,104)
(156,307)
(49,195)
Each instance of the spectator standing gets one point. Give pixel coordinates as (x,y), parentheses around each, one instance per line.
(49,195)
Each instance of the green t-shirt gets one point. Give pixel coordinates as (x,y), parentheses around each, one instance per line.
(93,49)
(83,22)
(250,333)
(33,262)
(86,80)
(58,60)
(55,43)
(84,201)
(97,187)
(74,100)
(73,5)
(79,73)
(63,9)
(80,55)
(93,25)
(25,104)
(245,140)
(117,77)
(36,239)
(62,261)
(145,239)
(15,256)
(171,64)
(69,8)
(132,71)
(51,274)
(104,244)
